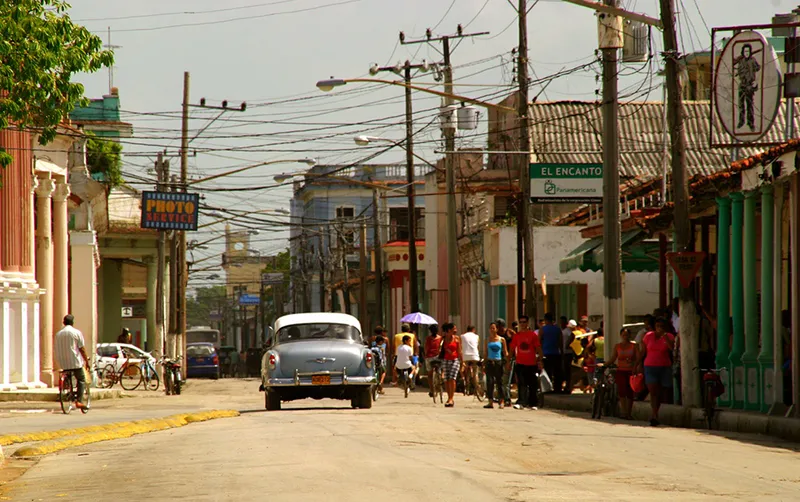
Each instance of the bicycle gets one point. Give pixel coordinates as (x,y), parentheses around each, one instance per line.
(437,382)
(604,399)
(712,389)
(150,375)
(472,380)
(129,376)
(68,393)
(404,377)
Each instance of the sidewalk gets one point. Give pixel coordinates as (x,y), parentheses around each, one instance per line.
(692,418)
(51,395)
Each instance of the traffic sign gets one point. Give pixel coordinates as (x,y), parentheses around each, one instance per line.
(686,264)
(272,278)
(246,299)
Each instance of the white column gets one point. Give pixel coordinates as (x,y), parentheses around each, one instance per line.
(34,364)
(44,275)
(153,338)
(83,287)
(5,345)
(60,293)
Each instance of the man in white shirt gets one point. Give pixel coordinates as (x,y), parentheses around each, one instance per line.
(71,355)
(403,362)
(470,350)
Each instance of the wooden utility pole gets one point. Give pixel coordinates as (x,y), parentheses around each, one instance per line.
(162,172)
(174,263)
(453,283)
(181,262)
(362,294)
(524,229)
(376,247)
(346,280)
(690,343)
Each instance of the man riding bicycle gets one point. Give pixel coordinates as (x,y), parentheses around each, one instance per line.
(404,363)
(71,355)
(470,343)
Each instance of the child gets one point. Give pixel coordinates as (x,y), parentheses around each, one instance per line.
(379,350)
(589,366)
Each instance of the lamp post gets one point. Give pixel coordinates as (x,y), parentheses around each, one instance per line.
(310,162)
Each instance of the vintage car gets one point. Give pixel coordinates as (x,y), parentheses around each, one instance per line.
(317,355)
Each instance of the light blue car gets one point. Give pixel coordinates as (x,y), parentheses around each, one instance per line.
(317,355)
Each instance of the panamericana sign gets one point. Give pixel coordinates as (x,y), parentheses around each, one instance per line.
(567,183)
(170,210)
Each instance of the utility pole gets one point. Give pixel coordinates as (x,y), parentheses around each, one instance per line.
(346,282)
(453,283)
(173,284)
(362,294)
(690,343)
(182,275)
(524,230)
(413,274)
(376,247)
(162,173)
(322,269)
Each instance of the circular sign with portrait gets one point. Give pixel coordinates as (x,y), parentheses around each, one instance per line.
(747,86)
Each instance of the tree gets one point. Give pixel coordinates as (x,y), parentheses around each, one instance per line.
(199,307)
(40,50)
(103,156)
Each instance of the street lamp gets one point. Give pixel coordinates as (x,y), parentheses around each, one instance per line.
(310,162)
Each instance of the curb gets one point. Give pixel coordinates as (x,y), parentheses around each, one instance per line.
(50,396)
(53,441)
(692,418)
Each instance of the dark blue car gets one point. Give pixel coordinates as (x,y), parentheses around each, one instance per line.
(202,360)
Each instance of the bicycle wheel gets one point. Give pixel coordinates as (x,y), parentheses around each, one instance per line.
(480,391)
(612,401)
(108,377)
(87,399)
(151,380)
(65,392)
(709,404)
(131,377)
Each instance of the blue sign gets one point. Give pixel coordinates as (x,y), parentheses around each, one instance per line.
(249,300)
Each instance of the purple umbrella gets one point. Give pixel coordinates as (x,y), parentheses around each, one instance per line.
(418,318)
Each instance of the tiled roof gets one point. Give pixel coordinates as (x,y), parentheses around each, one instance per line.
(571,132)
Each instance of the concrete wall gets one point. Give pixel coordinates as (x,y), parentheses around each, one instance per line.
(110,305)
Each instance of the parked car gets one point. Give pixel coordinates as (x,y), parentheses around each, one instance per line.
(202,360)
(317,355)
(116,354)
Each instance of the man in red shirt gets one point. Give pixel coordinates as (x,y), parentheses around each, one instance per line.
(529,356)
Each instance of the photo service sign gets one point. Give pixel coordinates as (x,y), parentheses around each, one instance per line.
(747,86)
(170,210)
(570,183)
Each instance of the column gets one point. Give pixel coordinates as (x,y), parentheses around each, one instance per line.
(5,345)
(778,407)
(750,356)
(60,255)
(152,330)
(83,287)
(767,276)
(794,306)
(44,276)
(737,300)
(724,294)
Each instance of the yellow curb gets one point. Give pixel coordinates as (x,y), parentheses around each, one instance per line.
(53,441)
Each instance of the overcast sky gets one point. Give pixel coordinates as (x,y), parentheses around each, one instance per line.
(275,51)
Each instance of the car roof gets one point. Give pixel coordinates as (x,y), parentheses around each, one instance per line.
(115,344)
(199,343)
(317,317)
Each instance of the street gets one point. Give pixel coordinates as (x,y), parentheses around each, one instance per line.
(403,449)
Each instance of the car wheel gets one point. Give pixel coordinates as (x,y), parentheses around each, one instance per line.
(215,376)
(364,398)
(272,400)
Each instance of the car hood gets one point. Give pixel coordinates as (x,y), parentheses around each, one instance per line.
(319,355)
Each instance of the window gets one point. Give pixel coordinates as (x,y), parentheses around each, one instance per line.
(345,213)
(322,331)
(398,224)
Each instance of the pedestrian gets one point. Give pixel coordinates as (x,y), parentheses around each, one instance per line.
(496,353)
(403,362)
(567,337)
(508,368)
(654,358)
(380,346)
(528,354)
(550,336)
(451,355)
(649,320)
(71,355)
(578,376)
(470,347)
(625,355)
(125,336)
(405,330)
(433,345)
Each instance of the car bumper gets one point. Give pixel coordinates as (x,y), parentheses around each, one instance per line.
(306,381)
(202,370)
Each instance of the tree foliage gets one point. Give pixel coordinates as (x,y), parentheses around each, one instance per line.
(103,156)
(199,307)
(40,51)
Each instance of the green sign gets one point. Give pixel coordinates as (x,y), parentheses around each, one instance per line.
(566,183)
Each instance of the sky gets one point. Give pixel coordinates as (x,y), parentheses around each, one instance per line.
(271,53)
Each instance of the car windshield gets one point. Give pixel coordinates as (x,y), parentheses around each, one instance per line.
(318,331)
(199,350)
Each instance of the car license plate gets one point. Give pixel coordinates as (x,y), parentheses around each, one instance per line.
(200,360)
(321,380)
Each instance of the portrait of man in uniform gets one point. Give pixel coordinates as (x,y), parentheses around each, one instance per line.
(746,68)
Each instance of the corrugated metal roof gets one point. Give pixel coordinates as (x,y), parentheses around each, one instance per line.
(571,132)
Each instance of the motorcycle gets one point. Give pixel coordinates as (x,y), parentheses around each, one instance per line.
(172,375)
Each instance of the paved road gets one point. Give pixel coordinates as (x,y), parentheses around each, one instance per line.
(323,450)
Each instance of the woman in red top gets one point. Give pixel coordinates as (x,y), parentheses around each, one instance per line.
(625,355)
(451,348)
(656,359)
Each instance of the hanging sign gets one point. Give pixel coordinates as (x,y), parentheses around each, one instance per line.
(686,264)
(170,210)
(568,183)
(747,86)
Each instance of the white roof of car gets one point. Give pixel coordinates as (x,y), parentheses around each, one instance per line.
(317,318)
